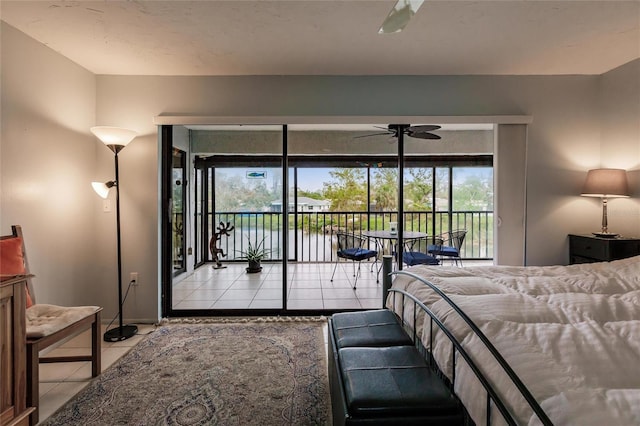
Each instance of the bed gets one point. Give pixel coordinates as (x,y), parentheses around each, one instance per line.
(570,333)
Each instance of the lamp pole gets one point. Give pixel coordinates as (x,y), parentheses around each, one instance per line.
(116,139)
(122,332)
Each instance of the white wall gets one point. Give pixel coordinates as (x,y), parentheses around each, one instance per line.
(620,112)
(46,143)
(47,163)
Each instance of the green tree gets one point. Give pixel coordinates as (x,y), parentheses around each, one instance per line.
(384,189)
(316,195)
(246,195)
(347,189)
(419,189)
(475,193)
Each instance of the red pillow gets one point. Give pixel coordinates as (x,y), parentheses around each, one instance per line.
(29,300)
(11,260)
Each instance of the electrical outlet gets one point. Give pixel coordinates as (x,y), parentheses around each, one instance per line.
(133,277)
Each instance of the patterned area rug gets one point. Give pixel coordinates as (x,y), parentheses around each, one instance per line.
(228,373)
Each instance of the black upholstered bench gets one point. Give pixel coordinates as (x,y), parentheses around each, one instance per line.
(382,380)
(369,329)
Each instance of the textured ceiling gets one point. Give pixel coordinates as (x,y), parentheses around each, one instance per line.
(333,37)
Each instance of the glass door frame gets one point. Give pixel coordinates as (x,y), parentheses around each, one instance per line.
(166,261)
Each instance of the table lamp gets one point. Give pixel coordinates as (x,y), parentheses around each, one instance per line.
(605,183)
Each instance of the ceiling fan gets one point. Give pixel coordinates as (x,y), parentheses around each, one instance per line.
(399,16)
(419,132)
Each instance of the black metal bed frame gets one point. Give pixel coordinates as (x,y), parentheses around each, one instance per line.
(492,395)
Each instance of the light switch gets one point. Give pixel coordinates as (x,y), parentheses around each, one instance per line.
(106,206)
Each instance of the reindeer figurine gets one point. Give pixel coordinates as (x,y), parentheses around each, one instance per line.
(213,244)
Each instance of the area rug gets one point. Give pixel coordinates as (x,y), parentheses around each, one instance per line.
(226,373)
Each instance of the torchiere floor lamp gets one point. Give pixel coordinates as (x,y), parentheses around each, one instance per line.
(115,139)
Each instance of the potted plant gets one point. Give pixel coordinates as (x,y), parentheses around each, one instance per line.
(254,254)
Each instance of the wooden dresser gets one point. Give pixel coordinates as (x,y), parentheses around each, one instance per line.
(589,248)
(13,353)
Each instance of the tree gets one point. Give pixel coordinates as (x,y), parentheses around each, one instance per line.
(235,194)
(347,190)
(316,195)
(419,189)
(384,189)
(475,193)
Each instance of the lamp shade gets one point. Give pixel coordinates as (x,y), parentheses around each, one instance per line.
(102,189)
(606,183)
(114,135)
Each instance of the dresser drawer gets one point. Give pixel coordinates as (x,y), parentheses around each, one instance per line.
(588,247)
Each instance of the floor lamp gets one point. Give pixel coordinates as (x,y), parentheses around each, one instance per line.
(115,139)
(604,184)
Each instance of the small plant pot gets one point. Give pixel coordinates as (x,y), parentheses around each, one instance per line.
(254,266)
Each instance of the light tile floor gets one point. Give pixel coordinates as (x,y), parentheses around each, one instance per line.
(309,287)
(62,380)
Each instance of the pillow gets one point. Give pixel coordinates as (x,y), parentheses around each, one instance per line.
(11,260)
(29,300)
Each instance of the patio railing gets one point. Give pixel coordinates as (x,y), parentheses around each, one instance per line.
(314,241)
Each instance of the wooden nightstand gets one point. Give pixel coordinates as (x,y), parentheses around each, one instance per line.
(588,248)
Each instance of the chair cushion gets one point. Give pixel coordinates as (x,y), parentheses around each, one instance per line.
(368,328)
(357,254)
(443,251)
(44,320)
(393,381)
(412,258)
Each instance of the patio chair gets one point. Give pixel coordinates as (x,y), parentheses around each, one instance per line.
(416,251)
(450,248)
(47,324)
(350,247)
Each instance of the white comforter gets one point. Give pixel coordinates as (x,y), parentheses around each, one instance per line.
(571,333)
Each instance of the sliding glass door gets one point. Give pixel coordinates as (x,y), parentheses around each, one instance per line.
(248,202)
(239,223)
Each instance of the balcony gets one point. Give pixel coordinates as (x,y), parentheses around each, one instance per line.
(313,240)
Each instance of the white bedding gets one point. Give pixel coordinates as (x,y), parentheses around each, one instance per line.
(571,333)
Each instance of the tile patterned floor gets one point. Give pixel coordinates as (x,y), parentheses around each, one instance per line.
(309,287)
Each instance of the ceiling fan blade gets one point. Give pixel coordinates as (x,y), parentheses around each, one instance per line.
(423,135)
(372,134)
(423,128)
(399,16)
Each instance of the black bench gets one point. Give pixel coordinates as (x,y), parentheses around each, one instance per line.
(378,377)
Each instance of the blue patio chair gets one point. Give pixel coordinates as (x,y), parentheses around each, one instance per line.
(450,247)
(416,252)
(350,247)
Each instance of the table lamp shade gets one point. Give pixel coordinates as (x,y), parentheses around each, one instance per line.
(606,183)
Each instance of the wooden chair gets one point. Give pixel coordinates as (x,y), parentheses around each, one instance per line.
(50,324)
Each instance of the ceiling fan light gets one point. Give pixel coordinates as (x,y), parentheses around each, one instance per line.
(399,16)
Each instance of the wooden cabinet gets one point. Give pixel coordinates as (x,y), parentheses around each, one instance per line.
(13,352)
(589,249)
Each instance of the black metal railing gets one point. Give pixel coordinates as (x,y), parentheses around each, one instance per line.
(311,233)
